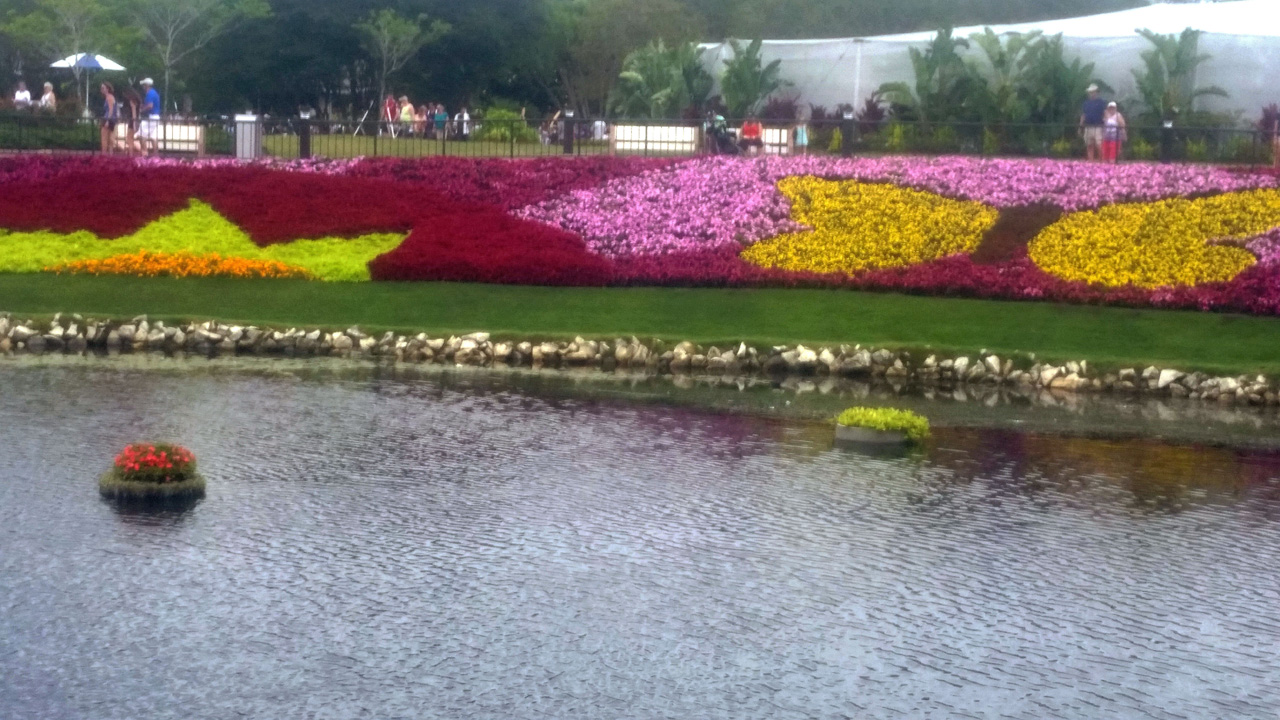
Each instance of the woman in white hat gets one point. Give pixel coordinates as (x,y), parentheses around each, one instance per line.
(1113,133)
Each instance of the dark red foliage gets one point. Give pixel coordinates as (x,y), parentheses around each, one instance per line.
(508,184)
(492,247)
(273,206)
(108,203)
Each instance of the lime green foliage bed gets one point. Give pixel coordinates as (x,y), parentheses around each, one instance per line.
(197,230)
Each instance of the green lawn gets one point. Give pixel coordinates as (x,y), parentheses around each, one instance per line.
(1102,335)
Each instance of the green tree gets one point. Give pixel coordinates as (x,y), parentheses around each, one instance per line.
(661,82)
(392,39)
(1166,81)
(746,81)
(175,29)
(601,33)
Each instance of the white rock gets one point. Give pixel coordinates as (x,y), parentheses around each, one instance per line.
(1168,376)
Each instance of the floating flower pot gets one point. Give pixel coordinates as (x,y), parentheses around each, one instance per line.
(145,472)
(884,428)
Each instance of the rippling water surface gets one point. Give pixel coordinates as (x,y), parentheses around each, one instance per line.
(375,546)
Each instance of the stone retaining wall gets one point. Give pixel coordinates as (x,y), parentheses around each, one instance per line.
(75,334)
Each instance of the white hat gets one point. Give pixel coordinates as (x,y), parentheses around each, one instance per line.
(1111,104)
(147,81)
(1092,88)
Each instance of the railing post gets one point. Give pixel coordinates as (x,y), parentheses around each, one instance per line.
(846,133)
(1166,141)
(568,132)
(513,137)
(304,138)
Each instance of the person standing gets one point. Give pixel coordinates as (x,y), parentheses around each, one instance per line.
(1113,133)
(1091,116)
(389,114)
(48,101)
(149,118)
(441,119)
(803,115)
(110,116)
(405,113)
(22,97)
(130,107)
(463,122)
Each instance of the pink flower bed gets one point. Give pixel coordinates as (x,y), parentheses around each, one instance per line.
(712,203)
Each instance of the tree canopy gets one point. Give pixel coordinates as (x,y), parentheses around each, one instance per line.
(277,55)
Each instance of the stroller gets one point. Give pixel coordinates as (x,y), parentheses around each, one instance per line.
(722,142)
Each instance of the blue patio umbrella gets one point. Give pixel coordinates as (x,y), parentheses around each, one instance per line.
(87,61)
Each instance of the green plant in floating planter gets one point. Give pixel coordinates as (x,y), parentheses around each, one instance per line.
(888,420)
(152,472)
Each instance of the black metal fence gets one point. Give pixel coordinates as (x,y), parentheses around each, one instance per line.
(302,138)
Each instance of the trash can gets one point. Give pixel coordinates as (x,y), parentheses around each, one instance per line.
(248,137)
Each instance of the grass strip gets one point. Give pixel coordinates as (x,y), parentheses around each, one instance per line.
(1105,336)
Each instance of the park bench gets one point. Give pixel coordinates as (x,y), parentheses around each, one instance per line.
(174,136)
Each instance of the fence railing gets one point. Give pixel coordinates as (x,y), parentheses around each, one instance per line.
(301,138)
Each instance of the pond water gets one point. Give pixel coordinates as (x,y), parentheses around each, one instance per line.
(383,545)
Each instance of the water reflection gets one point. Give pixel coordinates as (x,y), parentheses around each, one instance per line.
(393,544)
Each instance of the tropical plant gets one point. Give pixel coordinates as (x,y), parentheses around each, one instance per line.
(661,82)
(1053,87)
(1000,91)
(746,81)
(1270,122)
(1166,82)
(942,82)
(872,115)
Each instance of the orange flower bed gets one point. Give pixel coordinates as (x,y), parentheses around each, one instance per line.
(182,265)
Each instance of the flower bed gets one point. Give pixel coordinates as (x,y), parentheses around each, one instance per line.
(152,472)
(1171,236)
(180,265)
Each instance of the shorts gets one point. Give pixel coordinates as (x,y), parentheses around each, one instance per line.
(108,125)
(148,128)
(1110,150)
(1093,135)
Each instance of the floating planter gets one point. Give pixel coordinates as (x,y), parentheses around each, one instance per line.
(152,472)
(881,427)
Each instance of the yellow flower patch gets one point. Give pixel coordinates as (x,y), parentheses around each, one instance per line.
(1159,243)
(197,231)
(862,226)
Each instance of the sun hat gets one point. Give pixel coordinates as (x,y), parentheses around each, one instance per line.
(1092,88)
(147,81)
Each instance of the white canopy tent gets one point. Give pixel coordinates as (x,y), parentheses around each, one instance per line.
(1243,38)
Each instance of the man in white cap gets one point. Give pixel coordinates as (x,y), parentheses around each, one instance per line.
(149,122)
(1091,123)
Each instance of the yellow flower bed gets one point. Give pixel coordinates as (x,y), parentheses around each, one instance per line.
(181,265)
(861,226)
(1159,243)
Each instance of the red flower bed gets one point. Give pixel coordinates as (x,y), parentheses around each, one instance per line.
(492,247)
(508,184)
(159,463)
(106,202)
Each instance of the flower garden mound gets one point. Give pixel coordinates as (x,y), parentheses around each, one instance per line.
(145,472)
(1141,235)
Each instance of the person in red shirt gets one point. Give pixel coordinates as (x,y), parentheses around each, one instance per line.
(390,113)
(751,139)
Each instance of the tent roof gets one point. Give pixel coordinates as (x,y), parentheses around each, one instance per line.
(1239,17)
